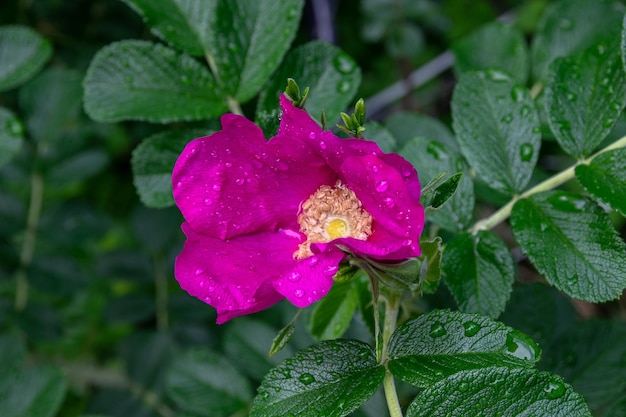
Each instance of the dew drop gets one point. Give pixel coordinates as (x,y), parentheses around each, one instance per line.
(389,202)
(239,181)
(518,93)
(463,387)
(201,284)
(382,186)
(312,135)
(434,149)
(179,184)
(406,172)
(526,152)
(507,119)
(330,270)
(299,293)
(207,299)
(129,79)
(608,122)
(14,127)
(555,388)
(216,187)
(323,145)
(208,201)
(185,79)
(211,288)
(566,23)
(228,164)
(521,346)
(313,260)
(294,276)
(375,168)
(343,63)
(343,86)
(281,165)
(198,272)
(437,329)
(525,111)
(471,328)
(571,97)
(319,360)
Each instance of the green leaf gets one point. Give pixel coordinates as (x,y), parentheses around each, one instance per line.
(23,52)
(431,265)
(244,41)
(605,178)
(570,26)
(431,158)
(246,343)
(333,313)
(570,240)
(201,382)
(479,271)
(11,135)
(332,76)
(138,80)
(153,161)
(33,392)
(495,45)
(52,104)
(491,112)
(332,379)
(284,336)
(584,97)
(440,343)
(444,191)
(405,126)
(500,392)
(591,358)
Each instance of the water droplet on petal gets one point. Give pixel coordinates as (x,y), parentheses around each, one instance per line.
(313,260)
(179,184)
(198,272)
(389,202)
(299,293)
(216,187)
(294,276)
(343,63)
(323,145)
(330,270)
(312,135)
(239,181)
(281,165)
(382,186)
(208,201)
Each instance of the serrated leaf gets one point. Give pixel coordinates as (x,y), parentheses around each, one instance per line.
(244,40)
(570,26)
(591,358)
(584,97)
(202,382)
(500,392)
(152,163)
(479,271)
(571,241)
(138,80)
(605,178)
(494,45)
(431,158)
(246,343)
(23,52)
(440,343)
(332,379)
(11,135)
(332,76)
(333,313)
(491,112)
(33,392)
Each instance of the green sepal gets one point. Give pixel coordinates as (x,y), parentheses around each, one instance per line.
(353,124)
(284,335)
(293,93)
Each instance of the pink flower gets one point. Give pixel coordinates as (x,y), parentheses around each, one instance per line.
(264,218)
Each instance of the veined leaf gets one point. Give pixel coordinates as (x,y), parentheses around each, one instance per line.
(332,379)
(333,313)
(138,80)
(479,271)
(605,178)
(572,242)
(428,349)
(497,128)
(23,52)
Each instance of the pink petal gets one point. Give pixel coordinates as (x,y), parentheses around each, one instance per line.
(234,182)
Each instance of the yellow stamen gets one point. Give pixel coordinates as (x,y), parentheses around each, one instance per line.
(336,228)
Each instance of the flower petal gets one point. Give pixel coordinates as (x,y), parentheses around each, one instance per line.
(311,279)
(233,182)
(235,276)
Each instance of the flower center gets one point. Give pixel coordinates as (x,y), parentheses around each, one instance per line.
(331,213)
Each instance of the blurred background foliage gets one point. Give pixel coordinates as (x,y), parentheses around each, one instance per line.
(92,321)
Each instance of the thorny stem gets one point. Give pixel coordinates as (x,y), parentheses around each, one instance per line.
(562,177)
(392,305)
(30,239)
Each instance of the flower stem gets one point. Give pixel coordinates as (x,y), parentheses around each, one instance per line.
(560,178)
(30,240)
(392,305)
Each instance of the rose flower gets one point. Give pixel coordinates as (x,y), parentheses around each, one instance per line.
(265,219)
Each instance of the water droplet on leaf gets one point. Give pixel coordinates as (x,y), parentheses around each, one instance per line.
(343,63)
(521,346)
(471,328)
(526,152)
(555,388)
(437,329)
(463,387)
(306,378)
(14,127)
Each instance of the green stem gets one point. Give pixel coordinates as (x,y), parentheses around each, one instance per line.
(562,177)
(392,306)
(30,240)
(160,278)
(233,105)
